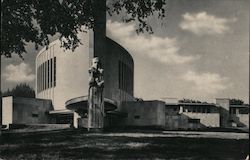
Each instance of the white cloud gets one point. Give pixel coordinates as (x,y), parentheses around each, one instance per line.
(206,83)
(161,49)
(18,73)
(204,24)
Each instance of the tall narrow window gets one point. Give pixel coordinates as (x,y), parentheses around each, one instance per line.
(37,80)
(208,109)
(46,74)
(42,78)
(54,71)
(51,75)
(125,78)
(122,77)
(119,75)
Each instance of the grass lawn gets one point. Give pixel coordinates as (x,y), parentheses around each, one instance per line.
(75,144)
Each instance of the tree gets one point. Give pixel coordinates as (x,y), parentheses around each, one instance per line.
(21,90)
(236,101)
(34,21)
(190,101)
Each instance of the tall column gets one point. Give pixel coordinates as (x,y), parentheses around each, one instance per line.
(97,43)
(97,36)
(224,104)
(99,29)
(75,119)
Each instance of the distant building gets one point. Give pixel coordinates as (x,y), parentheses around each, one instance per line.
(232,115)
(192,116)
(158,114)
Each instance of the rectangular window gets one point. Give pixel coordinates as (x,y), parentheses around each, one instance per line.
(129,81)
(132,81)
(46,75)
(125,78)
(51,72)
(40,81)
(122,77)
(194,109)
(198,109)
(54,71)
(37,81)
(243,110)
(42,77)
(120,73)
(203,110)
(48,72)
(208,109)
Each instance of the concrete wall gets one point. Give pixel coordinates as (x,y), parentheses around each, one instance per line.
(224,104)
(191,116)
(30,111)
(175,122)
(116,53)
(240,120)
(7,111)
(145,113)
(244,118)
(206,119)
(181,121)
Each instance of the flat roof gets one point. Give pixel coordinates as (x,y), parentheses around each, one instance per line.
(239,105)
(191,104)
(63,111)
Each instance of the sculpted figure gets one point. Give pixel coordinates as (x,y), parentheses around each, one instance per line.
(96,99)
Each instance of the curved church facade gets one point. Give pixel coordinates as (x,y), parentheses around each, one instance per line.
(62,75)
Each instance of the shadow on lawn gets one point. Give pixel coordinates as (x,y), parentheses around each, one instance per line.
(75,144)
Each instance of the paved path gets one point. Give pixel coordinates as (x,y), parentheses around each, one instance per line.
(187,134)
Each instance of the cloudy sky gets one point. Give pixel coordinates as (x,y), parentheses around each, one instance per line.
(199,51)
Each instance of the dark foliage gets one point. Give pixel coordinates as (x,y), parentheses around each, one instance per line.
(236,101)
(35,20)
(139,99)
(21,90)
(190,101)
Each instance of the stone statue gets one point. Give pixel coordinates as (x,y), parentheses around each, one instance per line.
(96,99)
